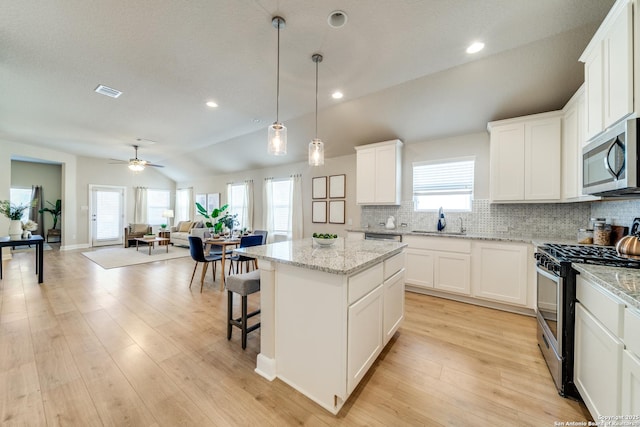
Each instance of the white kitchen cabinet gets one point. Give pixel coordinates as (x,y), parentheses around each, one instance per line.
(438,262)
(452,272)
(365,338)
(608,63)
(393,305)
(525,155)
(630,384)
(500,272)
(597,364)
(419,267)
(572,140)
(379,173)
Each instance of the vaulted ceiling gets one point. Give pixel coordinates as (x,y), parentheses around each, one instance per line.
(401,65)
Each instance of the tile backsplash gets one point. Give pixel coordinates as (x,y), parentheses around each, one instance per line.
(558,220)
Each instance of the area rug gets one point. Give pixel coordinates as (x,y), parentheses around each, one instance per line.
(121,257)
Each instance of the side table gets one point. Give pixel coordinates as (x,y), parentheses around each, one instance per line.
(165,234)
(55,233)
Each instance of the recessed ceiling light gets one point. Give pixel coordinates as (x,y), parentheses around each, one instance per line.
(337,19)
(211,104)
(337,95)
(475,47)
(107,91)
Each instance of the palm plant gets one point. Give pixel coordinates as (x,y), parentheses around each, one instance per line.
(54,210)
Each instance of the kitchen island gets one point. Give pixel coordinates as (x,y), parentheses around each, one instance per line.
(327,312)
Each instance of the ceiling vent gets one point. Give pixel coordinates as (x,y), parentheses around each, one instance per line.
(107,91)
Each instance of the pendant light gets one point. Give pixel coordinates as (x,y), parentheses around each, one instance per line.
(277,144)
(316,146)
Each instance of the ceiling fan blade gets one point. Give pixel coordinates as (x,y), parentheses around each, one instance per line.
(118,162)
(154,165)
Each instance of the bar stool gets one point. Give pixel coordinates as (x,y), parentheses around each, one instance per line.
(243,285)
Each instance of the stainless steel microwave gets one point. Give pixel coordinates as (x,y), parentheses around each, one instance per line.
(610,161)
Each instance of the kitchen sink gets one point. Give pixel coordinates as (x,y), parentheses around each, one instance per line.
(440,233)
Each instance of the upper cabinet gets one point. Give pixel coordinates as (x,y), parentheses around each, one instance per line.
(608,65)
(379,173)
(525,158)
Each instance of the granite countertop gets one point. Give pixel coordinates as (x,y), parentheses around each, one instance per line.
(502,237)
(343,257)
(623,282)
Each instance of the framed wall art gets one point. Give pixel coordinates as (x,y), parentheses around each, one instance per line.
(213,201)
(319,187)
(319,212)
(336,211)
(202,199)
(337,186)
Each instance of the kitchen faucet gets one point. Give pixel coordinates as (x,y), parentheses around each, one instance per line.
(462,229)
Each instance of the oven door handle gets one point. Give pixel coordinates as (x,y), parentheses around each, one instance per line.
(548,274)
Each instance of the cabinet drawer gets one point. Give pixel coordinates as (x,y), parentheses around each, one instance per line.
(441,244)
(393,265)
(632,330)
(364,282)
(604,306)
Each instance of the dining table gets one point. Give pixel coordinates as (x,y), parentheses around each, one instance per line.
(224,244)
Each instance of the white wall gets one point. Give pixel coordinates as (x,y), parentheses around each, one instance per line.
(92,171)
(334,166)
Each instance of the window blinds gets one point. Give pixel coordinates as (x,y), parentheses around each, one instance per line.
(443,178)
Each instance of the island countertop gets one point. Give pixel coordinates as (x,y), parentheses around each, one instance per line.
(345,256)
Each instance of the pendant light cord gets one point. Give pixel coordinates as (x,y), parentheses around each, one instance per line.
(278,78)
(317,99)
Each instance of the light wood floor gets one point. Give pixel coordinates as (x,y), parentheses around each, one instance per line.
(134,346)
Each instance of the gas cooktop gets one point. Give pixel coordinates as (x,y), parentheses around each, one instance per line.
(597,255)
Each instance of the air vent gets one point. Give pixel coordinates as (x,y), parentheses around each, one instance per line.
(107,91)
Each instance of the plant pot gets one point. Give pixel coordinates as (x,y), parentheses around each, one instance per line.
(15,229)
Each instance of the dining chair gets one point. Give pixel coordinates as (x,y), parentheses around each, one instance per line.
(245,242)
(262,233)
(196,250)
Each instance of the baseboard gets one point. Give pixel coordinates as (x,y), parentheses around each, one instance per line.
(470,300)
(73,247)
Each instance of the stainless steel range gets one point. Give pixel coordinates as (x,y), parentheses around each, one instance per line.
(556,296)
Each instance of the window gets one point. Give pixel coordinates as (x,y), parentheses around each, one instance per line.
(281,205)
(237,205)
(444,183)
(157,202)
(21,196)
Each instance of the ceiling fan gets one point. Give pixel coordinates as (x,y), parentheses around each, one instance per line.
(135,164)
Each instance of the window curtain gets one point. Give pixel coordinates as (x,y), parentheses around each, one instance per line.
(185,207)
(140,206)
(295,211)
(247,219)
(268,211)
(37,203)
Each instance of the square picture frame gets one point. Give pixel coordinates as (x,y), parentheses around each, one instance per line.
(213,201)
(319,212)
(336,211)
(319,187)
(202,199)
(337,186)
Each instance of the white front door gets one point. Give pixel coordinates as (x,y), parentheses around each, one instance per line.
(107,215)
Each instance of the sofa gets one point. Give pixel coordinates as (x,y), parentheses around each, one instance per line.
(182,230)
(135,230)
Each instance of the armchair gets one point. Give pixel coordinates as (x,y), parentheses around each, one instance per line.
(133,231)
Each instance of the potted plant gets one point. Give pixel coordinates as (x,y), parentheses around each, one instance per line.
(54,210)
(14,213)
(221,218)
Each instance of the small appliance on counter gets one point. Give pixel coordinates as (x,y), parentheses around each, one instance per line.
(391,223)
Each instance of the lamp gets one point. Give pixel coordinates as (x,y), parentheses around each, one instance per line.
(316,146)
(168,213)
(277,139)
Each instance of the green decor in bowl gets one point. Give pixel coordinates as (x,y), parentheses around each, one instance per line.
(325,239)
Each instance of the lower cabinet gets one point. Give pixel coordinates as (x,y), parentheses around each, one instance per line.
(440,263)
(365,339)
(393,304)
(598,357)
(630,384)
(500,272)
